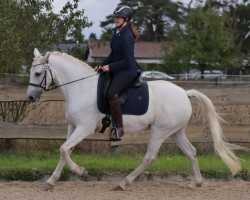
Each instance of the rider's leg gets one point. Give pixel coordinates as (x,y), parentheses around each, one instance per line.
(116,112)
(119,83)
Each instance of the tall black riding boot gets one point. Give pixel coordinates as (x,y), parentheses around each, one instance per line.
(116,112)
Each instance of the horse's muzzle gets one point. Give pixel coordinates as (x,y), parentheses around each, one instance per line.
(34,94)
(31,98)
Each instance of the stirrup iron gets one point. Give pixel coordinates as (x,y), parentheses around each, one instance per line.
(117,134)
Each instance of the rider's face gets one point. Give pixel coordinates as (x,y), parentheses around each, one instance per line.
(118,21)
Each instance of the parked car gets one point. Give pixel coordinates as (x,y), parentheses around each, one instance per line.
(156,75)
(194,73)
(213,74)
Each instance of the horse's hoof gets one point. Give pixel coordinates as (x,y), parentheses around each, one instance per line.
(191,186)
(198,184)
(119,188)
(84,172)
(194,185)
(48,186)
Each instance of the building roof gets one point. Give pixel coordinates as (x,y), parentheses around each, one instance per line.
(66,48)
(142,49)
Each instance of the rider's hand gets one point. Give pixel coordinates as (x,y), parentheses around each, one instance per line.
(97,67)
(105,68)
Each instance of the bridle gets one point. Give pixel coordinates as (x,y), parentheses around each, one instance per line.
(47,67)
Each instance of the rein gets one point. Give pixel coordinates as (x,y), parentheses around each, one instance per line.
(48,67)
(57,86)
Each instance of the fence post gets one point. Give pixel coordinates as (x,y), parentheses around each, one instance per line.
(114,150)
(218,80)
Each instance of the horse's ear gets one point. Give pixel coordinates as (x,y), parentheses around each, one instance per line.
(36,53)
(46,57)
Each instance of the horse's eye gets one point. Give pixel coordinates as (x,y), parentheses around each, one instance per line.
(37,73)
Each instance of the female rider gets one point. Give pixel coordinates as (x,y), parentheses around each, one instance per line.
(121,64)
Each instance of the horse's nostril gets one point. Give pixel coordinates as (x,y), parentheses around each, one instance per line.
(31,98)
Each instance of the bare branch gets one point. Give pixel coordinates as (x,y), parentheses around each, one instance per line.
(190,4)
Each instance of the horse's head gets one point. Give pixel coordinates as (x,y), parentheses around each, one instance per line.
(39,78)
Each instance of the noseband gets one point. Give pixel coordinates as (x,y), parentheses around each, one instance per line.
(47,67)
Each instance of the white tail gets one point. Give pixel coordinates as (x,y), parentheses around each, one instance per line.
(223,148)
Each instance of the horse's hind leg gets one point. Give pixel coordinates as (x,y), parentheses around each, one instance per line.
(49,184)
(189,150)
(155,142)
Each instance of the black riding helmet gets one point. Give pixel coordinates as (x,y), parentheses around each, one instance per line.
(123,11)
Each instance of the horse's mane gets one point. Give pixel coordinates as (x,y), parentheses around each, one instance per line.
(84,64)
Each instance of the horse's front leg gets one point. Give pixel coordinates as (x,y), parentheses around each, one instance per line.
(78,135)
(49,184)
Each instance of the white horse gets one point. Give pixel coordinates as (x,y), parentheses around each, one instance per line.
(167,116)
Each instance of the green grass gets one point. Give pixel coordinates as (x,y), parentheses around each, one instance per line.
(32,167)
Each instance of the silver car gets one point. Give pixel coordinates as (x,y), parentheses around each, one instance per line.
(156,75)
(213,74)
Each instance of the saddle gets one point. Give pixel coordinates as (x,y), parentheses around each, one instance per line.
(122,97)
(134,100)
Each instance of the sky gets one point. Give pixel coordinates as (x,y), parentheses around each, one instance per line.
(96,11)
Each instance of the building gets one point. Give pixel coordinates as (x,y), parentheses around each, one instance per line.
(145,52)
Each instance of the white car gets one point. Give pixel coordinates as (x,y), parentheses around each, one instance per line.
(156,75)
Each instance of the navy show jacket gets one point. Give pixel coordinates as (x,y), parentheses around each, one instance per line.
(121,59)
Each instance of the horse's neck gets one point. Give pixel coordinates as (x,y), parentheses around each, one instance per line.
(66,71)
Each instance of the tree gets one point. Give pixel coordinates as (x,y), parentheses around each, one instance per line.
(26,24)
(151,17)
(92,36)
(239,18)
(108,27)
(204,41)
(10,38)
(240,23)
